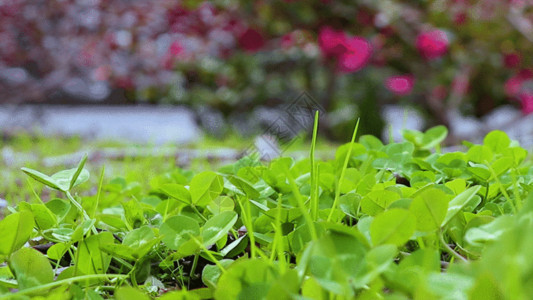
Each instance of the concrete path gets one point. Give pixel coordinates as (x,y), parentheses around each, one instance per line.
(140,124)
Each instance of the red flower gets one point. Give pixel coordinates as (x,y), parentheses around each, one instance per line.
(460,18)
(287,41)
(356,56)
(526,100)
(124,83)
(432,44)
(364,18)
(251,40)
(400,85)
(331,42)
(512,60)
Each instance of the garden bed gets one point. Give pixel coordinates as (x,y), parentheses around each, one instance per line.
(400,221)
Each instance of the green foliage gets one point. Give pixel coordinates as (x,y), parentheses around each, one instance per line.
(31,268)
(401,221)
(15,231)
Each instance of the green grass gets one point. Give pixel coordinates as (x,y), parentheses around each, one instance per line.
(30,151)
(396,221)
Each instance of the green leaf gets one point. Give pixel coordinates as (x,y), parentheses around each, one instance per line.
(377,261)
(244,186)
(120,250)
(15,231)
(246,279)
(221,204)
(31,268)
(429,208)
(183,295)
(426,259)
(218,226)
(377,201)
(517,153)
(44,218)
(311,289)
(177,230)
(141,241)
(336,260)
(342,151)
(456,185)
(459,202)
(205,187)
(489,232)
(370,142)
(130,293)
(486,287)
(64,178)
(351,178)
(59,207)
(502,164)
(479,154)
(91,260)
(82,230)
(79,169)
(413,269)
(138,237)
(177,191)
(236,247)
(394,226)
(349,203)
(42,178)
(497,141)
(480,172)
(211,273)
(57,251)
(449,285)
(113,220)
(134,213)
(434,136)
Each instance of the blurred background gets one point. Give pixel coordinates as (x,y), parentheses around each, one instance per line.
(172,71)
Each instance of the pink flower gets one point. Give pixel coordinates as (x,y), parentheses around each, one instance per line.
(351,53)
(251,40)
(102,73)
(514,85)
(432,44)
(511,60)
(357,54)
(331,42)
(176,48)
(400,85)
(526,100)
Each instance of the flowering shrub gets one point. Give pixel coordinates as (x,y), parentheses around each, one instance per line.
(352,56)
(351,53)
(432,44)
